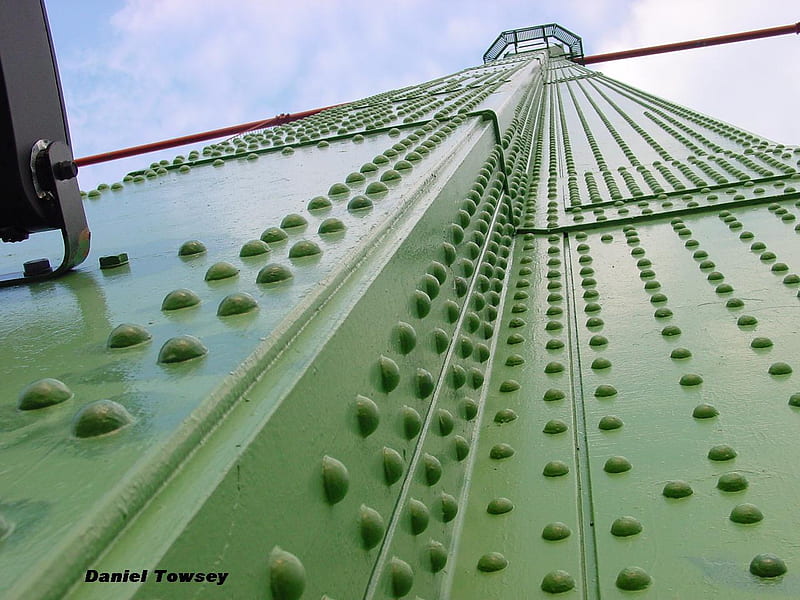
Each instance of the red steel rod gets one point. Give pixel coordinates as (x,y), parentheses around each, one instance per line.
(197,137)
(699,43)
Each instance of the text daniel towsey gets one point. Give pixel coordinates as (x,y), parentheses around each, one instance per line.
(157,575)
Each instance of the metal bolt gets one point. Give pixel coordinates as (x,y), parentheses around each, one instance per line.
(40,266)
(66,169)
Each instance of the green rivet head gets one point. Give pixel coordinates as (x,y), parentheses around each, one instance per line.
(371,527)
(500,506)
(680,353)
(221,270)
(734,303)
(721,452)
(273,273)
(554,344)
(304,248)
(501,451)
(605,391)
(617,464)
(423,383)
(505,415)
(553,532)
(491,562)
(705,411)
(767,565)
(677,489)
(432,467)
(419,516)
(181,298)
(401,577)
(393,465)
(100,418)
(555,468)
(287,576)
(557,582)
(553,367)
(359,203)
(469,409)
(236,304)
(632,579)
(724,288)
(598,340)
(780,368)
(181,348)
(554,426)
(330,226)
(44,392)
(626,526)
(437,554)
(412,422)
(405,337)
(338,190)
(449,507)
(254,248)
(376,189)
(594,322)
(747,321)
(335,479)
(513,360)
(355,178)
(600,363)
(670,331)
(746,514)
(389,373)
(403,166)
(794,399)
(274,235)
(761,342)
(732,482)
(445,421)
(391,176)
(610,422)
(127,335)
(292,221)
(461,446)
(691,379)
(552,395)
(192,248)
(319,203)
(509,386)
(367,415)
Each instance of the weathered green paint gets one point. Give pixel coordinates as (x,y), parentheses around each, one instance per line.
(518,331)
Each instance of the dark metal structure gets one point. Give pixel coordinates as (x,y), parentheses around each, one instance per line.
(535,38)
(40,191)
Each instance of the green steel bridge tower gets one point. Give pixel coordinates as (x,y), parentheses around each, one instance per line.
(519,332)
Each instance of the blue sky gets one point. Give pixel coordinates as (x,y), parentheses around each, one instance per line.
(136,71)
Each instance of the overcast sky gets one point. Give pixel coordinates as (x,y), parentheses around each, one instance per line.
(137,71)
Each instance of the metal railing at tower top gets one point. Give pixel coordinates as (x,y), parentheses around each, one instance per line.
(538,36)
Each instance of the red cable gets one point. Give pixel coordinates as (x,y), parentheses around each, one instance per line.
(699,43)
(197,137)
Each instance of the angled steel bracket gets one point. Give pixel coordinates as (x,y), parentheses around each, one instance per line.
(40,191)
